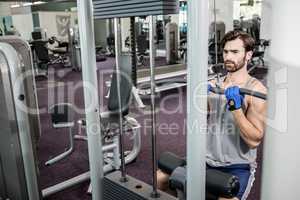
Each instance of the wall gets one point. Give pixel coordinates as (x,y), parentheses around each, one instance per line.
(236,9)
(21,10)
(224,10)
(26,28)
(266,15)
(48,22)
(5,9)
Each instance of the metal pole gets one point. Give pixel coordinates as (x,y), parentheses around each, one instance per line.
(91,95)
(133,51)
(281,160)
(196,97)
(118,73)
(154,193)
(215,30)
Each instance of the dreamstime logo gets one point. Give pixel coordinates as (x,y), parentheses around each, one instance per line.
(58,91)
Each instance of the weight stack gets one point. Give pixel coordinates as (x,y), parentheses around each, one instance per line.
(104,9)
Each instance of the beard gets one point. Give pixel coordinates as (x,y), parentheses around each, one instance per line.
(233,67)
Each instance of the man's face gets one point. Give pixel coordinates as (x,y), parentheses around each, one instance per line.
(235,56)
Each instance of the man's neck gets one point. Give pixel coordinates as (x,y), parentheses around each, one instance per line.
(239,77)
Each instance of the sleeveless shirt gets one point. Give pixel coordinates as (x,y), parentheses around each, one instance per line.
(225,145)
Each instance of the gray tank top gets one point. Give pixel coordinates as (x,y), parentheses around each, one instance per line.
(224,144)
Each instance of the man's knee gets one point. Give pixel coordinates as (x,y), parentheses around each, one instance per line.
(162,180)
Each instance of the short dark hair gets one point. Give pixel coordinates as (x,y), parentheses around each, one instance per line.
(248,41)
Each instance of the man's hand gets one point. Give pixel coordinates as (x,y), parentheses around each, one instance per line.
(209,87)
(234,98)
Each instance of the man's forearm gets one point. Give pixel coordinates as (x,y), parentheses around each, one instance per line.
(250,134)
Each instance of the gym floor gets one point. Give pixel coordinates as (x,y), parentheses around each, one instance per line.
(60,86)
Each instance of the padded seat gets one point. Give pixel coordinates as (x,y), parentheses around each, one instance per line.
(218,184)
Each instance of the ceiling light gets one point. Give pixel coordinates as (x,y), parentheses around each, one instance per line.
(38,2)
(27,4)
(15,6)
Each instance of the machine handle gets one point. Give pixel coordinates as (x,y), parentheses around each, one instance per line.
(243,91)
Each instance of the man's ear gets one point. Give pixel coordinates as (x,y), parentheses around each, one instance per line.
(249,55)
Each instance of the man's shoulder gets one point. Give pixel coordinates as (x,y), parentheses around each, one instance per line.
(258,86)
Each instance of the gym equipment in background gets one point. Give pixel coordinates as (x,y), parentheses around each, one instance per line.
(103,9)
(110,131)
(74,41)
(60,53)
(22,161)
(62,116)
(18,170)
(171,43)
(217,32)
(25,55)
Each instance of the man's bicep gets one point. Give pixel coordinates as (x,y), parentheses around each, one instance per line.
(257,108)
(257,113)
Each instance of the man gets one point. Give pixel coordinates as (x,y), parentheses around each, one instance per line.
(234,132)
